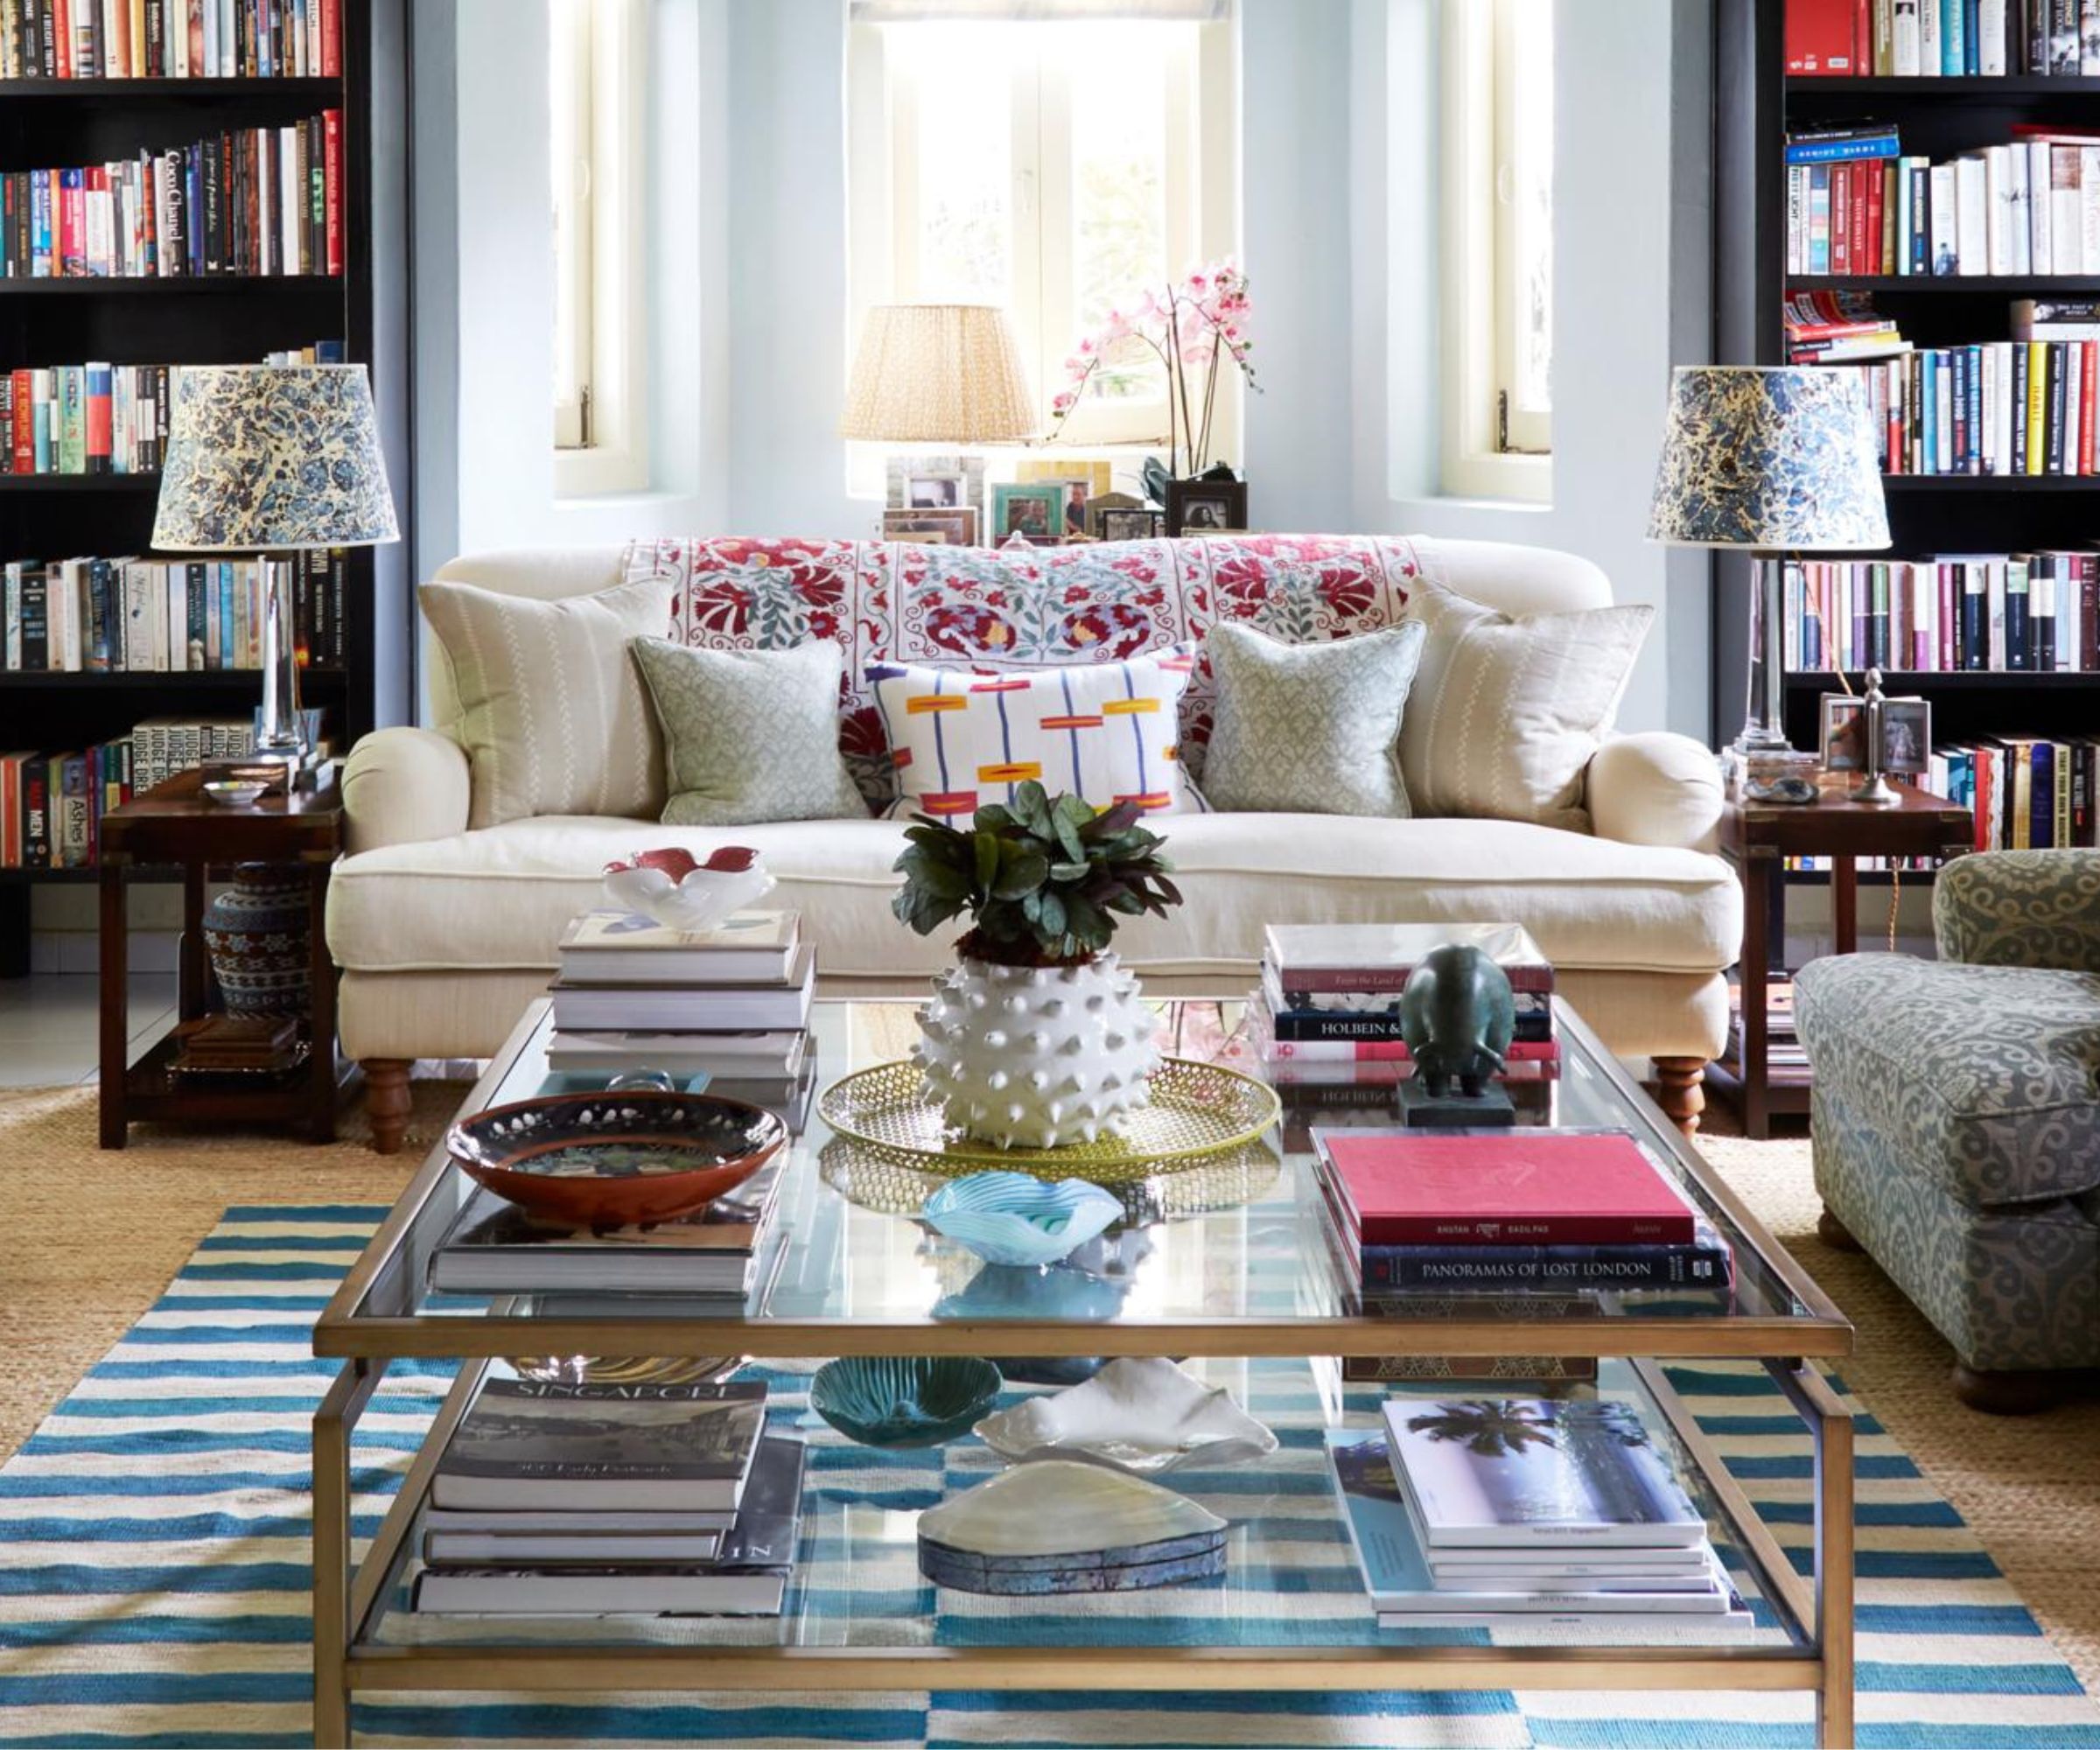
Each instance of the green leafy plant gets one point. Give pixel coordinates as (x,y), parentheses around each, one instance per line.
(1045,881)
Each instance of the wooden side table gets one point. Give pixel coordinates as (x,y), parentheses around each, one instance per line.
(1758,837)
(172,824)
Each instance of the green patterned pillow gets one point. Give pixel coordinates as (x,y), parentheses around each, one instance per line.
(1309,728)
(749,736)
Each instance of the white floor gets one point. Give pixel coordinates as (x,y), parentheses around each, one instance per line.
(50,1024)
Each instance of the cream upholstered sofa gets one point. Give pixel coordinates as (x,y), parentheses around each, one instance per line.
(444,933)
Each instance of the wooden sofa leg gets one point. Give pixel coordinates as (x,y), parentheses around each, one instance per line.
(2005,1393)
(1681,1090)
(387,1101)
(1835,1235)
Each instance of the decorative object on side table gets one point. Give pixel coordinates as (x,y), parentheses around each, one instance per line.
(273,459)
(1014,1218)
(1769,459)
(256,931)
(607,1159)
(1876,736)
(1060,1527)
(1144,1415)
(1206,507)
(1458,1016)
(904,1400)
(678,890)
(1038,1038)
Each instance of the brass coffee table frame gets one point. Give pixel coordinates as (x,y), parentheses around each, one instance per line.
(347,1593)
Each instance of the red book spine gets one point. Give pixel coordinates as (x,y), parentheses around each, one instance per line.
(195,22)
(73,223)
(1866,239)
(2089,367)
(1841,217)
(1870,232)
(1863,38)
(332,42)
(26,436)
(61,16)
(99,451)
(1819,37)
(332,185)
(1949,618)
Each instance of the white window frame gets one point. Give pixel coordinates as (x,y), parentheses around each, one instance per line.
(1479,321)
(1200,179)
(598,83)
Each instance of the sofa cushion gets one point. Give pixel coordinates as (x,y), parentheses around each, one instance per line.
(1986,1079)
(748,734)
(552,712)
(905,602)
(1104,732)
(500,898)
(1506,711)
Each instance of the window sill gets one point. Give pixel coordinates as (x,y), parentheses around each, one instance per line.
(1503,480)
(581,475)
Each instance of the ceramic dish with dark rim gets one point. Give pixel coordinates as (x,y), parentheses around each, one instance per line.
(613,1158)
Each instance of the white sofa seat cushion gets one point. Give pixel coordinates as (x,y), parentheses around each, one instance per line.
(499,897)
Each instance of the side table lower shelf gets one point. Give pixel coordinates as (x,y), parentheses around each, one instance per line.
(365,1642)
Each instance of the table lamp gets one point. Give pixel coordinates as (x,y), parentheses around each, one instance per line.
(1773,459)
(270,459)
(939,374)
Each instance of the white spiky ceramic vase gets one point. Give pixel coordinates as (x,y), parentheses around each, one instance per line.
(1037,1056)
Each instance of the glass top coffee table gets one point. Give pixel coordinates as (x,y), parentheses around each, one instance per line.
(1223,1265)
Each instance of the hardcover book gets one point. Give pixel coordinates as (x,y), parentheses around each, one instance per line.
(1398,1187)
(1326,957)
(748,947)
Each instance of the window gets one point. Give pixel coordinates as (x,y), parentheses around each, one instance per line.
(1498,248)
(597,101)
(1053,167)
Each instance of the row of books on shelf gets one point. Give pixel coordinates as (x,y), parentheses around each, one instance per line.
(2004,408)
(2028,792)
(1495,1512)
(1857,203)
(160,616)
(1941,38)
(101,418)
(254,202)
(52,804)
(1946,613)
(171,38)
(610,1499)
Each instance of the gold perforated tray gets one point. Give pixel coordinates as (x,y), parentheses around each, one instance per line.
(1198,1111)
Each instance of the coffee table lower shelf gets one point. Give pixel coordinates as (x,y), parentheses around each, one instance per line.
(353,1652)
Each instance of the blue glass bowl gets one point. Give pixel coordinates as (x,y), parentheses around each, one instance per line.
(1015,1218)
(904,1400)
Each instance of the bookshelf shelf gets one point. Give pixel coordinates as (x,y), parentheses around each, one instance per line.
(1844,93)
(142,285)
(161,680)
(2015,285)
(167,90)
(1952,680)
(1991,483)
(79,483)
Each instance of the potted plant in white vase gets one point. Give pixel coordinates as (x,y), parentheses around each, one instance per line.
(1038,1037)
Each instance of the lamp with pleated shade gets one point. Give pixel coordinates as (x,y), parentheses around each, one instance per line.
(273,459)
(939,374)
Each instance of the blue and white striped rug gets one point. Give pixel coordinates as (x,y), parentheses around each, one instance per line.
(153,1570)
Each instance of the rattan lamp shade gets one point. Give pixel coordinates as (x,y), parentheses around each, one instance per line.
(939,374)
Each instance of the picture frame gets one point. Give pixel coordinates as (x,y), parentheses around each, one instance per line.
(1034,508)
(1206,507)
(1843,723)
(1905,735)
(951,528)
(1127,522)
(1084,479)
(935,490)
(900,468)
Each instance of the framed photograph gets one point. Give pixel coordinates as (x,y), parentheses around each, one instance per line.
(1141,524)
(1084,481)
(901,470)
(1206,507)
(953,528)
(1843,725)
(1035,509)
(935,492)
(1906,736)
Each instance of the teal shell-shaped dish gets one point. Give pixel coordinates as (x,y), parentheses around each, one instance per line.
(904,1400)
(1015,1218)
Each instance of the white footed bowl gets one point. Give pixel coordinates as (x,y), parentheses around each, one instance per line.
(1143,1417)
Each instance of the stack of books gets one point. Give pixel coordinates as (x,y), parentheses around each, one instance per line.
(2035,611)
(1940,39)
(1519,1212)
(1326,1024)
(719,1254)
(237,1044)
(730,1003)
(1839,327)
(591,1500)
(1786,1058)
(1497,1513)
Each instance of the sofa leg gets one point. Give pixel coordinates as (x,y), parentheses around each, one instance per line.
(1997,1393)
(387,1101)
(1835,1235)
(1681,1090)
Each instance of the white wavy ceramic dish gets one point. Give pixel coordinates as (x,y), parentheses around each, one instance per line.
(1015,1218)
(1142,1417)
(681,893)
(1057,1509)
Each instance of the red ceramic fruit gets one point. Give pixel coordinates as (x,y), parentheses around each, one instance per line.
(612,1159)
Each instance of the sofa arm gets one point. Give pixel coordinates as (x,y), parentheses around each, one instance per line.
(403,785)
(1655,788)
(2038,908)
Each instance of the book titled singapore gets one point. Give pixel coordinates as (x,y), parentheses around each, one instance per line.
(1502,1470)
(531,1443)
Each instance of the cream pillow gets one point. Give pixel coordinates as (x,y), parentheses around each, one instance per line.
(1505,712)
(552,713)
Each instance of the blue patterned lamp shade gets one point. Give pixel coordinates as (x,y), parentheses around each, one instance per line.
(266,458)
(1768,458)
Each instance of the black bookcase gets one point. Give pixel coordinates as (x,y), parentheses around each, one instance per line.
(1756,105)
(212,320)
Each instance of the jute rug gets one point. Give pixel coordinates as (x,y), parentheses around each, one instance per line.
(97,1234)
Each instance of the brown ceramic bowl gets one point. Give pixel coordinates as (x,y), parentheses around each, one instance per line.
(612,1159)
